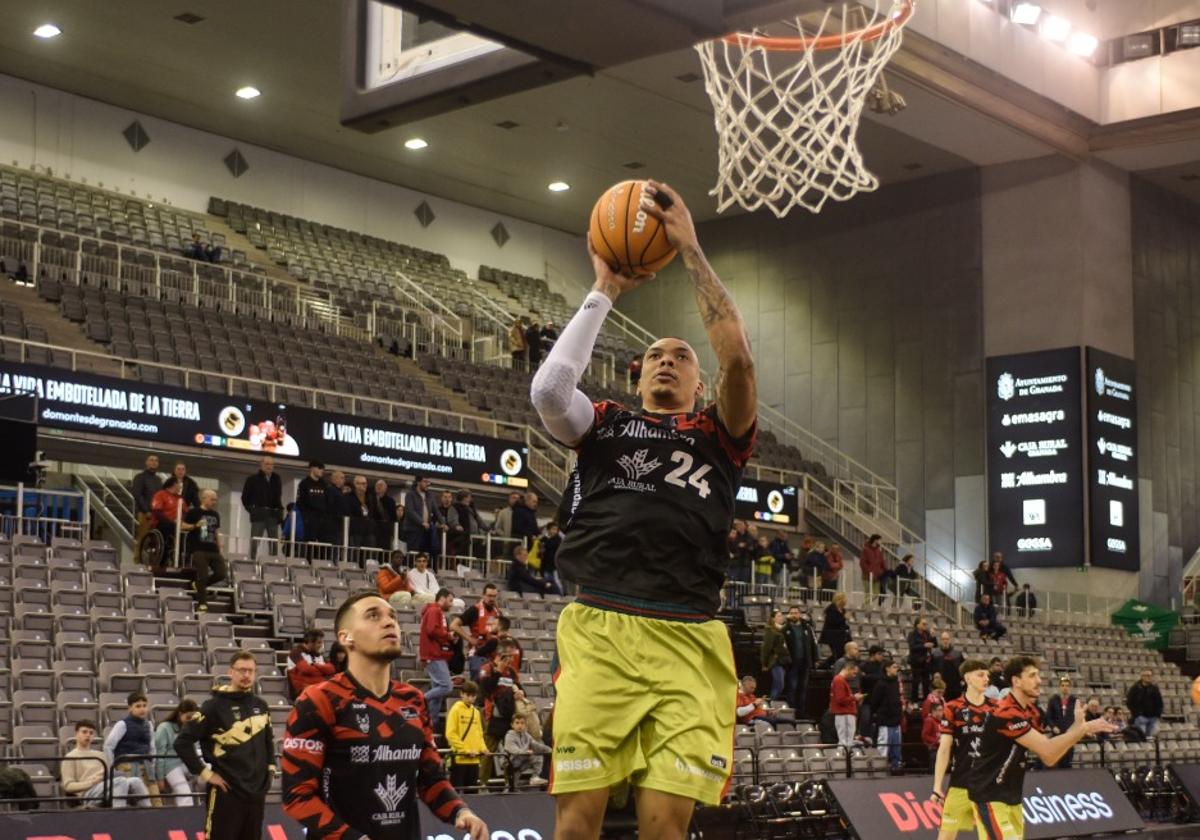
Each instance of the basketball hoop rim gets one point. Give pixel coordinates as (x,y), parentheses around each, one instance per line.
(896,19)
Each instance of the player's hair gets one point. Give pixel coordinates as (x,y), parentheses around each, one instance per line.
(442,593)
(312,634)
(468,689)
(86,723)
(972,665)
(343,611)
(1016,666)
(135,697)
(239,656)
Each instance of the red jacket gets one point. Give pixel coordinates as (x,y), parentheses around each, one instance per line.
(303,670)
(930,734)
(390,581)
(871,561)
(436,641)
(748,700)
(841,697)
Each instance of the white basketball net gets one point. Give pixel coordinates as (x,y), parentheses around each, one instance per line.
(786,121)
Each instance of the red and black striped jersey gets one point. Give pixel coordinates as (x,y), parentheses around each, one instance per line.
(354,763)
(998,774)
(963,721)
(652,504)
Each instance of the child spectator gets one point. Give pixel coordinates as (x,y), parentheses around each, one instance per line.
(520,748)
(464,733)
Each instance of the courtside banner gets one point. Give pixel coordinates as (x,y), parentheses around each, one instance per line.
(106,405)
(527,816)
(1189,777)
(765,501)
(1058,803)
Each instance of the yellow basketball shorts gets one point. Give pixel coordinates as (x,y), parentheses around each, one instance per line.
(958,811)
(999,821)
(643,700)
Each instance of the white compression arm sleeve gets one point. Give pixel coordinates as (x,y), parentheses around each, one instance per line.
(566,411)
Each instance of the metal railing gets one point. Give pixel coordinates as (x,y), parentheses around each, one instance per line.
(44,514)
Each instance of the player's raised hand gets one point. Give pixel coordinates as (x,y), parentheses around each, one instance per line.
(609,282)
(468,820)
(662,202)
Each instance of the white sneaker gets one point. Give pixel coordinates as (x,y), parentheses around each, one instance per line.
(538,781)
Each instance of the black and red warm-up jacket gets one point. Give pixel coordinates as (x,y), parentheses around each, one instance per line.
(354,764)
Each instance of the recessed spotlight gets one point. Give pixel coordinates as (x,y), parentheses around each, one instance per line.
(47,30)
(248,92)
(1026,14)
(1083,44)
(415,143)
(1055,28)
(558,186)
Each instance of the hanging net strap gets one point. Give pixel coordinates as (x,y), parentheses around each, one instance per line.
(787,108)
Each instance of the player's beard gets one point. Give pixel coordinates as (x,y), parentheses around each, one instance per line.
(386,655)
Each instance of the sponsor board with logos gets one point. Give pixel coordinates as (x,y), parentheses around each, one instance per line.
(1059,803)
(1112,461)
(527,816)
(765,501)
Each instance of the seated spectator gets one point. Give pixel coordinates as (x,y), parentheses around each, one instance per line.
(1025,602)
(198,249)
(205,542)
(985,620)
(422,581)
(392,581)
(522,579)
(306,665)
(1091,711)
(130,737)
(930,731)
(996,687)
(168,769)
(464,733)
(84,776)
(548,545)
(167,507)
(751,709)
(521,750)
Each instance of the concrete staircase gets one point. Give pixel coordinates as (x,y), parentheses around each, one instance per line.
(435,387)
(61,332)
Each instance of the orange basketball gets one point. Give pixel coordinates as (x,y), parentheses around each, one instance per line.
(625,236)
(1196,691)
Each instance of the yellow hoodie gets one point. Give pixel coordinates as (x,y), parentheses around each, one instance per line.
(464,731)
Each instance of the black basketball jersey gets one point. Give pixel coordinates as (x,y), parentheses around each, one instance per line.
(998,775)
(653,500)
(964,722)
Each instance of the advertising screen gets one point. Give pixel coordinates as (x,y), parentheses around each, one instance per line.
(1035,458)
(86,402)
(765,501)
(1112,460)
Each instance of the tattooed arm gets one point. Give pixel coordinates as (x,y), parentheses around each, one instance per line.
(737,390)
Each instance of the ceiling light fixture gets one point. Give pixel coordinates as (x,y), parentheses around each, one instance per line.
(47,30)
(558,186)
(1055,28)
(248,92)
(1026,14)
(1083,44)
(415,143)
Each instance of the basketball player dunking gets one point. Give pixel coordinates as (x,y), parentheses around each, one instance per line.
(646,681)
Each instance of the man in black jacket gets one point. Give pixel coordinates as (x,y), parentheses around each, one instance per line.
(945,660)
(920,650)
(1145,703)
(145,485)
(191,490)
(236,754)
(985,619)
(1060,715)
(313,503)
(262,497)
(887,708)
(533,339)
(387,513)
(417,515)
(802,644)
(524,519)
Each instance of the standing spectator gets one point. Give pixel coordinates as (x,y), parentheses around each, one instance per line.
(635,372)
(191,490)
(335,501)
(1025,602)
(464,734)
(986,622)
(470,520)
(131,736)
(521,749)
(437,648)
(312,499)
(774,654)
(887,710)
(783,554)
(870,671)
(834,563)
(524,519)
(548,550)
(83,773)
(1000,594)
(525,708)
(1060,715)
(503,522)
(392,581)
(448,528)
(387,516)
(843,704)
(170,509)
(764,560)
(306,665)
(1011,586)
(936,695)
(931,731)
(517,346)
(521,579)
(835,632)
(472,626)
(946,661)
(361,507)
(262,497)
(741,552)
(802,645)
(872,565)
(206,544)
(815,563)
(906,578)
(1145,703)
(231,746)
(851,654)
(422,581)
(983,580)
(533,344)
(145,485)
(168,769)
(549,336)
(920,658)
(417,517)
